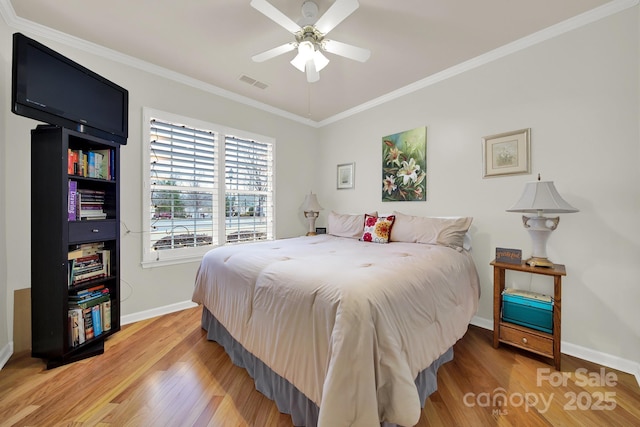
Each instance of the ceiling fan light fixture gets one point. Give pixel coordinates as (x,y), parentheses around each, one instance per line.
(317,60)
(320,60)
(306,50)
(299,62)
(310,37)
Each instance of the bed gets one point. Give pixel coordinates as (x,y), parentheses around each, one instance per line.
(344,329)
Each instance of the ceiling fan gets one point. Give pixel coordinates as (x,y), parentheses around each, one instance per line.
(310,38)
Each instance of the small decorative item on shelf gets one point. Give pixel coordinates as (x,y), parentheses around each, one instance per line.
(510,256)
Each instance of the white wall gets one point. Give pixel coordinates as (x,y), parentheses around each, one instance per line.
(142,289)
(579,93)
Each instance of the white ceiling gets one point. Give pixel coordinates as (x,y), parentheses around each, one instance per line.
(213,41)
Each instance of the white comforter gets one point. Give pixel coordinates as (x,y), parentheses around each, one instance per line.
(349,323)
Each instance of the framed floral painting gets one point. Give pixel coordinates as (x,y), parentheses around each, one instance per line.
(506,153)
(404,166)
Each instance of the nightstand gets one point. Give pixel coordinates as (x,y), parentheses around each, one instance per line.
(520,336)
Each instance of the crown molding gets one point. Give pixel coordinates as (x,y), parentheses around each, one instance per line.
(570,24)
(21,24)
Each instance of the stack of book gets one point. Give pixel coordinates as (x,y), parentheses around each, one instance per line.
(89,314)
(85,204)
(88,262)
(90,204)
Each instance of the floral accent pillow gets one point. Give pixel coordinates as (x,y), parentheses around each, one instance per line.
(377,229)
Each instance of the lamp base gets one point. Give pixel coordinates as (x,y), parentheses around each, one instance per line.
(312,233)
(539,262)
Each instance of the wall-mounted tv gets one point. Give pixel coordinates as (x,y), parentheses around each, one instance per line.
(49,87)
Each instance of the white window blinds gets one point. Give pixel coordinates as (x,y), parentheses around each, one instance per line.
(183,186)
(248,184)
(193,170)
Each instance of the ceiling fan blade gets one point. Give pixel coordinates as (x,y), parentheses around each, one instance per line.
(338,11)
(274,14)
(272,53)
(313,75)
(346,50)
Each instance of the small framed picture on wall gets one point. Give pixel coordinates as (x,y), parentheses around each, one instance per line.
(506,153)
(345,176)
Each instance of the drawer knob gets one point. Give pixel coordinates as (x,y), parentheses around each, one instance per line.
(524,341)
(95,230)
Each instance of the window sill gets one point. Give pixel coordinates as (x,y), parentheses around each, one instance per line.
(170,261)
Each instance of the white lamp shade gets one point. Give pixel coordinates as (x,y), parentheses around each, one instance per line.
(311,203)
(541,196)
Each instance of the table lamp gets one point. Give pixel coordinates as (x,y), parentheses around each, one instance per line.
(311,209)
(540,197)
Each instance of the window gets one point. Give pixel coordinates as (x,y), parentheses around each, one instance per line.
(188,210)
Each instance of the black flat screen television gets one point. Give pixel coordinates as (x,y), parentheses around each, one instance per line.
(49,87)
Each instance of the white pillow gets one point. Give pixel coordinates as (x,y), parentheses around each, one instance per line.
(434,231)
(346,225)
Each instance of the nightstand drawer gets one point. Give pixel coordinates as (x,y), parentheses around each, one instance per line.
(92,231)
(528,340)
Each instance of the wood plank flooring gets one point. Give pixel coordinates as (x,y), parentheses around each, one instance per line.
(164,372)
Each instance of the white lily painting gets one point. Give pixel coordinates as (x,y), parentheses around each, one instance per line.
(404,166)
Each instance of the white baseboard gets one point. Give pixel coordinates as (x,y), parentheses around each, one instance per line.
(155,312)
(5,354)
(483,323)
(604,359)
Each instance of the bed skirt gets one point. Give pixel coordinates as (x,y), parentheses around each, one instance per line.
(286,396)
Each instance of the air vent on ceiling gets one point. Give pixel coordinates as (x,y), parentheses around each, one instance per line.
(253,82)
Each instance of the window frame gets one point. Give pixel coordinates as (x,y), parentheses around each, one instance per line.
(151,258)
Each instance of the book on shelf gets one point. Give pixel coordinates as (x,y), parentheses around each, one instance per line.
(84,249)
(92,309)
(97,320)
(86,268)
(105,309)
(97,288)
(90,204)
(76,327)
(89,301)
(85,203)
(85,295)
(104,164)
(71,162)
(89,267)
(71,206)
(91,163)
(88,323)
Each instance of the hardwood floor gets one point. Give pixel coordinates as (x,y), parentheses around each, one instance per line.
(164,372)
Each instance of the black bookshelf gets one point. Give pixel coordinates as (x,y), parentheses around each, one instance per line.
(54,234)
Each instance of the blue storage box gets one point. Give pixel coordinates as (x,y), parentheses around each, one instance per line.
(529,309)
